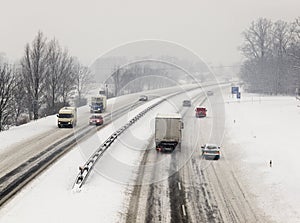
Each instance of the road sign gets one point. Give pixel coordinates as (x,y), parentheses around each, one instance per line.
(234,90)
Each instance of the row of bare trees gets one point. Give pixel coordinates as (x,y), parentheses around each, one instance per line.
(149,74)
(144,75)
(44,80)
(272,51)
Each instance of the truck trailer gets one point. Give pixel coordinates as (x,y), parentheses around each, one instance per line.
(168,131)
(98,104)
(67,117)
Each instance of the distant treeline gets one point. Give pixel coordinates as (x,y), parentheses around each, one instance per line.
(272,51)
(40,83)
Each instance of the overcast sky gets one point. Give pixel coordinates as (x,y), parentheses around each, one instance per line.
(210,28)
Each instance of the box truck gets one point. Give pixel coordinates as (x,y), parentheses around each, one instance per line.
(168,131)
(98,104)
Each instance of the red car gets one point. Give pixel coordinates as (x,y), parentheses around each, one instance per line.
(96,120)
(200,112)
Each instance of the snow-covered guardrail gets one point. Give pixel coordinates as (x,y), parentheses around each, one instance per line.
(86,169)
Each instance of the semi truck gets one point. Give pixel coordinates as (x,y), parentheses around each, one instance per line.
(168,131)
(98,104)
(67,117)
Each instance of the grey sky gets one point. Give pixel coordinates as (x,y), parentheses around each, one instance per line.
(211,28)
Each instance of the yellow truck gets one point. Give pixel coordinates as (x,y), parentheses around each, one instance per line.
(67,117)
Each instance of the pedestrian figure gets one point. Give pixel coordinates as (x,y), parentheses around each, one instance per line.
(270,163)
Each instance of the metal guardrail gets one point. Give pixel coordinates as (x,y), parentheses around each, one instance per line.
(88,166)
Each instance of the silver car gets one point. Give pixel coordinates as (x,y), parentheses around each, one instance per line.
(211,151)
(186,103)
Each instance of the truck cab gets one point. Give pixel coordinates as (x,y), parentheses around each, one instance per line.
(98,104)
(67,117)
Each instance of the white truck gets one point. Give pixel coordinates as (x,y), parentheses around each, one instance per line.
(168,131)
(98,104)
(67,117)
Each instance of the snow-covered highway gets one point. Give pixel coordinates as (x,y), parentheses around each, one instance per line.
(134,183)
(92,144)
(184,187)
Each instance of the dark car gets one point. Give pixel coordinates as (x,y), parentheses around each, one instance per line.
(143,98)
(186,103)
(96,120)
(210,93)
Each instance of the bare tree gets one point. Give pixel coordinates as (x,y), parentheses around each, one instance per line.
(54,75)
(67,77)
(281,39)
(83,78)
(258,48)
(46,77)
(34,67)
(294,52)
(258,39)
(7,87)
(19,97)
(272,52)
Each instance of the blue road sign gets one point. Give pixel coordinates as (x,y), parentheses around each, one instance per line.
(234,90)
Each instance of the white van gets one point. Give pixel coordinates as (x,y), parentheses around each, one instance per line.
(67,117)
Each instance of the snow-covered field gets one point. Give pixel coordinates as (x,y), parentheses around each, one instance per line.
(263,129)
